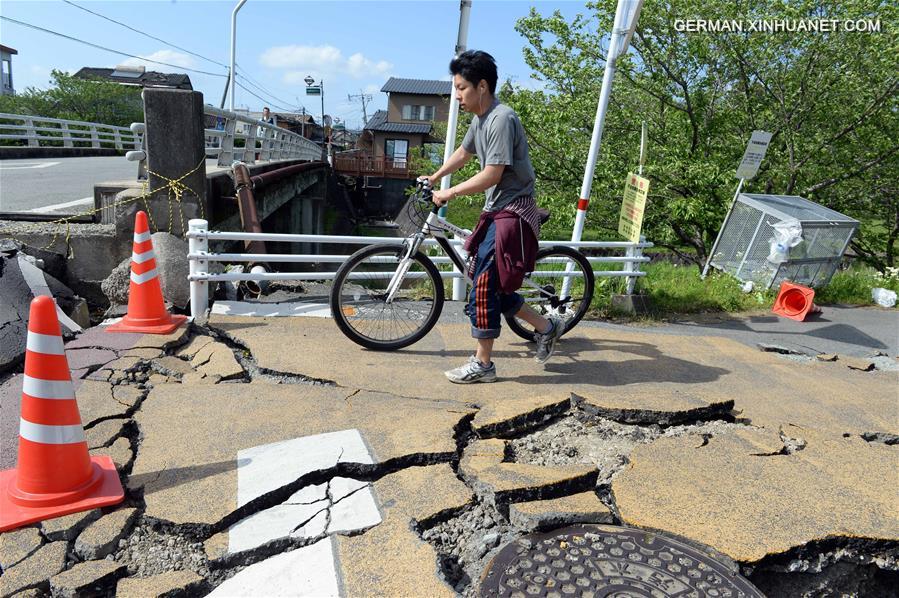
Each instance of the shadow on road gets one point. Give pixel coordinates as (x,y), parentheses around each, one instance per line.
(595,362)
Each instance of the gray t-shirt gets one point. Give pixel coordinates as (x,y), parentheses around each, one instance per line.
(497,137)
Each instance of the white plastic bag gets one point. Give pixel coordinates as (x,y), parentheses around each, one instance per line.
(787,235)
(883,297)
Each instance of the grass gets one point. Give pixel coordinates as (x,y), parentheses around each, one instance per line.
(677,290)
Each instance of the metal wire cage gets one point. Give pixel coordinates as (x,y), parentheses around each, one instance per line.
(746,234)
(415,213)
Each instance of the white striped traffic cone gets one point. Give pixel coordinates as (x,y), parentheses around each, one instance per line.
(146,308)
(54,475)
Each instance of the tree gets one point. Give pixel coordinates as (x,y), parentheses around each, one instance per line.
(71,98)
(830,100)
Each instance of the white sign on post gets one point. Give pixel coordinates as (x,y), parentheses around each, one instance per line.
(755,153)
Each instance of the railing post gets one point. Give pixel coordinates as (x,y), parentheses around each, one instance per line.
(95,139)
(66,135)
(226,156)
(117,138)
(31,133)
(249,146)
(633,266)
(199,289)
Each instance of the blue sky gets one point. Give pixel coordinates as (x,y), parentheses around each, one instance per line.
(353,46)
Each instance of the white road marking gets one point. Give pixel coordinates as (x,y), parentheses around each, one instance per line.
(262,469)
(245,308)
(30,166)
(307,571)
(60,206)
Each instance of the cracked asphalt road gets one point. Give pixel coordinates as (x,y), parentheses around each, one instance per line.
(773,455)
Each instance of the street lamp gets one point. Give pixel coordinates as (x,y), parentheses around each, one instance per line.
(318,90)
(233,48)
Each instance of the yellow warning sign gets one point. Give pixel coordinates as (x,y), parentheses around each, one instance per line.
(631,220)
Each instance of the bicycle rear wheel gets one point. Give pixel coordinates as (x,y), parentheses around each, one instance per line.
(553,266)
(359,298)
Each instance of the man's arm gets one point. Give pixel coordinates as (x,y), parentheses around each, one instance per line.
(456,161)
(485,179)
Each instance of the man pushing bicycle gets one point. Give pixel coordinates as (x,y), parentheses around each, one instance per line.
(504,243)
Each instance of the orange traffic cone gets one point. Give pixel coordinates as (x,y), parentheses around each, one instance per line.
(55,475)
(146,309)
(795,301)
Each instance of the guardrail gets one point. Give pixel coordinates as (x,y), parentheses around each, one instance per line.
(40,131)
(262,142)
(199,256)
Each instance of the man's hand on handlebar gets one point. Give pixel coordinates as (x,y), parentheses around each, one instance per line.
(441,196)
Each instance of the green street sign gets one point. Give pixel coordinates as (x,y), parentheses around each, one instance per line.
(313,91)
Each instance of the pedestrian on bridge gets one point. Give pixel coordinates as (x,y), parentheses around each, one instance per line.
(504,243)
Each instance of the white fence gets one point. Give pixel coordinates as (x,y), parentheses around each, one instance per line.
(39,131)
(199,257)
(274,143)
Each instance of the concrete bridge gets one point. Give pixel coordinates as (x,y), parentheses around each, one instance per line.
(182,172)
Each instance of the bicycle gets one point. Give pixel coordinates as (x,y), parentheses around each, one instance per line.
(386,297)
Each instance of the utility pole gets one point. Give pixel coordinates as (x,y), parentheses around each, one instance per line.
(365,98)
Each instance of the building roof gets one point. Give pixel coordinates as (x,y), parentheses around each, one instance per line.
(423,87)
(378,122)
(136,77)
(8,50)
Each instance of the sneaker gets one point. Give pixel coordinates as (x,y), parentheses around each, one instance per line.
(472,372)
(546,342)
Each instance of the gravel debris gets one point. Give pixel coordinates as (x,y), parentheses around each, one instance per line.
(148,551)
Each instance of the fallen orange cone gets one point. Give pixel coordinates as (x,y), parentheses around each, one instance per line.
(146,308)
(795,301)
(54,475)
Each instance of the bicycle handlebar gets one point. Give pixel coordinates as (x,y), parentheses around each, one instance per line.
(426,192)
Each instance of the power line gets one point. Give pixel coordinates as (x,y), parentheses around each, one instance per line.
(144,33)
(260,98)
(80,41)
(258,85)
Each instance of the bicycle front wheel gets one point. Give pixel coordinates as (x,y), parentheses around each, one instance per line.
(553,297)
(359,298)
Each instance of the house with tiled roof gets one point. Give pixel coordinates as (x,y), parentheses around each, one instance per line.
(412,106)
(136,75)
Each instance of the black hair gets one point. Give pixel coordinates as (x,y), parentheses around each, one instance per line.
(475,65)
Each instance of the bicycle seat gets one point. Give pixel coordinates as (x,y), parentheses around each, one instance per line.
(544,215)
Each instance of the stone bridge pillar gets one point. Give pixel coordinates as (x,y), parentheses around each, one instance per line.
(175,145)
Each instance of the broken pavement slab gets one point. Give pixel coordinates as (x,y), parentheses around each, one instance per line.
(651,404)
(483,468)
(68,527)
(105,432)
(187,462)
(34,571)
(17,544)
(741,495)
(102,536)
(390,558)
(120,451)
(89,578)
(163,584)
(537,515)
(96,401)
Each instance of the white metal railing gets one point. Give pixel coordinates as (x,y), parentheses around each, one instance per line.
(199,256)
(274,143)
(40,131)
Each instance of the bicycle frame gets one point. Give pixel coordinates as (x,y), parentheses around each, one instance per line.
(436,227)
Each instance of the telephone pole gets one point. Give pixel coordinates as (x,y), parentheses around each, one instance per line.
(365,98)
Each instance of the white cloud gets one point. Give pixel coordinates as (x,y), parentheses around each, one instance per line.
(321,61)
(167,56)
(372,88)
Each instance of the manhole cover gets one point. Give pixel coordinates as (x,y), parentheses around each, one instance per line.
(605,560)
